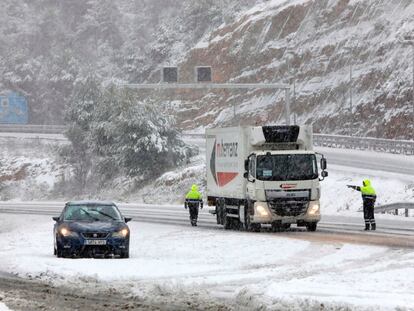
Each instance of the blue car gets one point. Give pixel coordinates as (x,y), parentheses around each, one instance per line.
(91,229)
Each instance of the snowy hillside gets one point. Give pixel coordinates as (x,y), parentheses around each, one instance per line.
(312,44)
(48,48)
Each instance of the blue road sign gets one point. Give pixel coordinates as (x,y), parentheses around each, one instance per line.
(13,109)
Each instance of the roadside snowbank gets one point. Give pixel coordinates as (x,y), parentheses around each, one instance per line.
(254,271)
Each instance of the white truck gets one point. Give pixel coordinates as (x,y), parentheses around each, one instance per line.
(263,175)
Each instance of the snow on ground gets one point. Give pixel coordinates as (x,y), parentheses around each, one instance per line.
(3,307)
(28,177)
(336,198)
(255,271)
(29,168)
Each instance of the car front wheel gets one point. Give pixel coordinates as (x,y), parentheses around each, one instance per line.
(125,253)
(58,251)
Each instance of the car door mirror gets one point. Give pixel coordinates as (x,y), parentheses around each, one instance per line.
(127,219)
(56,218)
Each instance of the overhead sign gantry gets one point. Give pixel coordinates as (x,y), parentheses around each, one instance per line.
(170,78)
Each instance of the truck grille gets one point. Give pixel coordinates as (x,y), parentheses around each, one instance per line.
(289,206)
(95,235)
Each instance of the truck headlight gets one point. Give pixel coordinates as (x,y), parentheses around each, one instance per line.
(261,209)
(314,208)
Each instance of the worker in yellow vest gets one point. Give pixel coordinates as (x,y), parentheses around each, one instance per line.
(368,198)
(193,200)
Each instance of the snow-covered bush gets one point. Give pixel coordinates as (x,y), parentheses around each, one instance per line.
(113,133)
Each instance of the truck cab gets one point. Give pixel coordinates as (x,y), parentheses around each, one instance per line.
(283,188)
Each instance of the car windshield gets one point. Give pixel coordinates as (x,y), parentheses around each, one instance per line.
(286,167)
(91,213)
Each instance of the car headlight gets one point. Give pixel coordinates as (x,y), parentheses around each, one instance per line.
(261,210)
(314,208)
(121,234)
(66,232)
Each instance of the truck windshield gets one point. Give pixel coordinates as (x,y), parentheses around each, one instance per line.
(286,167)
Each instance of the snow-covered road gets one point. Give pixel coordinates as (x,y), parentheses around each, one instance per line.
(392,231)
(247,271)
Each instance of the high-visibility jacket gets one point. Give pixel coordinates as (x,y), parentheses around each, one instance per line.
(193,196)
(368,192)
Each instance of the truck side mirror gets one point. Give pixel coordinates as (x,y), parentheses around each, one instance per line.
(246,165)
(245,175)
(323,164)
(324,174)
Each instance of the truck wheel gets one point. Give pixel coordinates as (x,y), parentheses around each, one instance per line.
(227,222)
(221,212)
(311,226)
(256,227)
(277,226)
(247,222)
(218,214)
(236,224)
(286,226)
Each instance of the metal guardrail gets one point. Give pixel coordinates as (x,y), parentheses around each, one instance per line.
(351,142)
(364,143)
(322,140)
(32,128)
(393,207)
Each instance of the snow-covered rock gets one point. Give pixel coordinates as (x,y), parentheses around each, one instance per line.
(312,44)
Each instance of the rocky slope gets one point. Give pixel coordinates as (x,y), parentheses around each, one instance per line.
(312,45)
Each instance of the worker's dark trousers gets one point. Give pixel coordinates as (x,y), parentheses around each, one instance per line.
(369,215)
(193,210)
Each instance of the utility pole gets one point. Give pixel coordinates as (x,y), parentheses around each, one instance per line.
(350,87)
(412,47)
(234,112)
(292,77)
(294,101)
(410,41)
(351,130)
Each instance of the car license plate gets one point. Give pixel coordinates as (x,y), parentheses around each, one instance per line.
(95,242)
